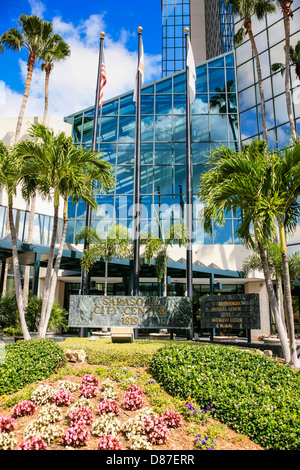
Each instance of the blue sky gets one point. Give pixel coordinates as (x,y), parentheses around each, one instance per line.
(72,85)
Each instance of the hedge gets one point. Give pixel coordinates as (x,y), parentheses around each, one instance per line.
(251,393)
(104,352)
(26,362)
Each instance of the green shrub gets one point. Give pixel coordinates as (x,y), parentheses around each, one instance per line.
(104,352)
(12,331)
(249,392)
(27,362)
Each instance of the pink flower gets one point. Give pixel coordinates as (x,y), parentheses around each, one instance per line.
(80,414)
(108,406)
(88,390)
(109,442)
(156,430)
(171,419)
(62,397)
(89,379)
(7,424)
(24,408)
(35,443)
(76,435)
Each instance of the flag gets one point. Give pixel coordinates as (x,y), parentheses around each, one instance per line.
(102,81)
(190,62)
(141,70)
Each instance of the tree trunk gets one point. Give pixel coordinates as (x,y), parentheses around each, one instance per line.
(54,277)
(5,261)
(165,284)
(29,241)
(105,276)
(46,289)
(294,361)
(16,269)
(287,28)
(274,305)
(248,27)
(30,67)
(47,78)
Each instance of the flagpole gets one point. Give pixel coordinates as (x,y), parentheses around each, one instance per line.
(189,181)
(137,185)
(85,276)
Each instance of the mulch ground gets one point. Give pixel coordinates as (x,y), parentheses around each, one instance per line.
(181,439)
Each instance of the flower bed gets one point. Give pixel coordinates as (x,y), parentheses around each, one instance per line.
(101,422)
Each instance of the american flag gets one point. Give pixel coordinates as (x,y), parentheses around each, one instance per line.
(102,81)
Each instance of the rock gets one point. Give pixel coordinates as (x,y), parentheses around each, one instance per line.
(268,353)
(76,355)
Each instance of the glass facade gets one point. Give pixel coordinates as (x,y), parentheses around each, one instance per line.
(269,36)
(163,150)
(175,17)
(227,26)
(43,226)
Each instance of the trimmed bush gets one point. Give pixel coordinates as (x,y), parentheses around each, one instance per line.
(249,392)
(27,362)
(104,352)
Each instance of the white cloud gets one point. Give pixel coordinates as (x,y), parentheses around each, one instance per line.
(37,8)
(73,81)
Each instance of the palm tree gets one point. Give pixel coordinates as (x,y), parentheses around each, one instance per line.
(222,101)
(243,182)
(286,7)
(55,165)
(116,244)
(10,177)
(294,60)
(55,50)
(32,35)
(158,248)
(286,190)
(246,9)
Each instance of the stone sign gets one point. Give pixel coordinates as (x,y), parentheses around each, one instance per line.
(92,311)
(239,311)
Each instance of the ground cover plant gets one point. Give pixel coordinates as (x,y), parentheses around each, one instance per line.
(251,393)
(32,420)
(26,362)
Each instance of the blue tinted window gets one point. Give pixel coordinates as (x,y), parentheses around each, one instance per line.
(163,104)
(110,108)
(179,132)
(179,104)
(200,152)
(163,154)
(218,128)
(147,128)
(216,79)
(163,178)
(146,179)
(201,82)
(147,154)
(164,86)
(179,84)
(125,180)
(108,129)
(148,89)
(147,104)
(200,130)
(229,60)
(223,234)
(127,129)
(127,105)
(126,153)
(200,105)
(163,128)
(109,152)
(179,153)
(217,63)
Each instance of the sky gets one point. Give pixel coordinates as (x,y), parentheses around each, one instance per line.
(73,81)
